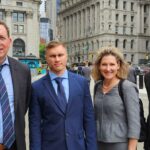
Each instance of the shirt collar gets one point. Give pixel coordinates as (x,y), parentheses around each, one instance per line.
(6,61)
(53,75)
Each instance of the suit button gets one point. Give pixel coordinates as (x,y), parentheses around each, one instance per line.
(67,134)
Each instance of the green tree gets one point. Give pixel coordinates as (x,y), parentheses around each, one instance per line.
(42,53)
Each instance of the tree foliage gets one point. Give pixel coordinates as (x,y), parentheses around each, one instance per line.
(42,53)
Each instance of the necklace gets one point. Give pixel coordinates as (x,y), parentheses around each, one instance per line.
(108,87)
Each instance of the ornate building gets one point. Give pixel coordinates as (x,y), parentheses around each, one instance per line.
(87,25)
(22,18)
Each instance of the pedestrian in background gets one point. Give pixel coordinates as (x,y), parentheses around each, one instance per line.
(132,76)
(87,71)
(118,122)
(61,115)
(15,87)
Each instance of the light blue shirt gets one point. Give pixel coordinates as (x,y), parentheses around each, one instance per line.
(65,82)
(6,74)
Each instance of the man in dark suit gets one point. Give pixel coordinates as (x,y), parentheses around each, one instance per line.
(147,85)
(15,87)
(63,122)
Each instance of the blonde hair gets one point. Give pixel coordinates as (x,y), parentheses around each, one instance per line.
(105,51)
(53,44)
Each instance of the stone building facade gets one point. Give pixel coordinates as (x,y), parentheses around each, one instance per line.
(22,18)
(88,25)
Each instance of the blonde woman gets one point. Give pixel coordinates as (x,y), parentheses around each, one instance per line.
(118,122)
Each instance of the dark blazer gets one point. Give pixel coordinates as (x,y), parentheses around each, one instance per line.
(51,128)
(21,79)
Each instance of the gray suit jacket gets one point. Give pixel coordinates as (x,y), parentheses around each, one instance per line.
(117,121)
(22,87)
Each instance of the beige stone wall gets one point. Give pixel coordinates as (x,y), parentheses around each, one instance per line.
(30,36)
(87,25)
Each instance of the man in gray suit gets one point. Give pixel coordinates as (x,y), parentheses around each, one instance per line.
(15,87)
(87,71)
(132,74)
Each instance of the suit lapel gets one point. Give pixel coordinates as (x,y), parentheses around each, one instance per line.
(13,71)
(72,89)
(51,91)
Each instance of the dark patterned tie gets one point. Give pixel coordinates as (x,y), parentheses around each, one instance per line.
(8,128)
(61,94)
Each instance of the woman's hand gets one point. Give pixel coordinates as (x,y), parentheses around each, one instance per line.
(132,144)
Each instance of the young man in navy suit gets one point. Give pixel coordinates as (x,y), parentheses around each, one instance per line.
(61,122)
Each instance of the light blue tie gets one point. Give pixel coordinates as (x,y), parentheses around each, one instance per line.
(61,94)
(8,128)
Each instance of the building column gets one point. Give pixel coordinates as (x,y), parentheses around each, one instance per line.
(64,29)
(84,23)
(82,27)
(142,19)
(73,26)
(148,19)
(77,20)
(30,31)
(67,27)
(71,22)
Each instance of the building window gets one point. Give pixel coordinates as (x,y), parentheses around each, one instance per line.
(18,28)
(116,4)
(124,29)
(147,45)
(145,8)
(18,17)
(145,30)
(109,3)
(116,43)
(117,17)
(19,3)
(145,20)
(1,15)
(131,30)
(132,6)
(124,5)
(116,29)
(21,29)
(132,18)
(124,43)
(124,18)
(18,48)
(132,44)
(109,27)
(15,28)
(125,56)
(132,57)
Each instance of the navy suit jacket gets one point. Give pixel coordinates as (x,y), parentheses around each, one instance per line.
(51,128)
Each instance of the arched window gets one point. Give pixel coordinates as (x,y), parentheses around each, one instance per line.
(18,48)
(116,42)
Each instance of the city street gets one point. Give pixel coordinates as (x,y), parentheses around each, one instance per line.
(143,96)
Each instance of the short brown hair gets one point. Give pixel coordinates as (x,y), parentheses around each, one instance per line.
(105,51)
(6,27)
(53,44)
